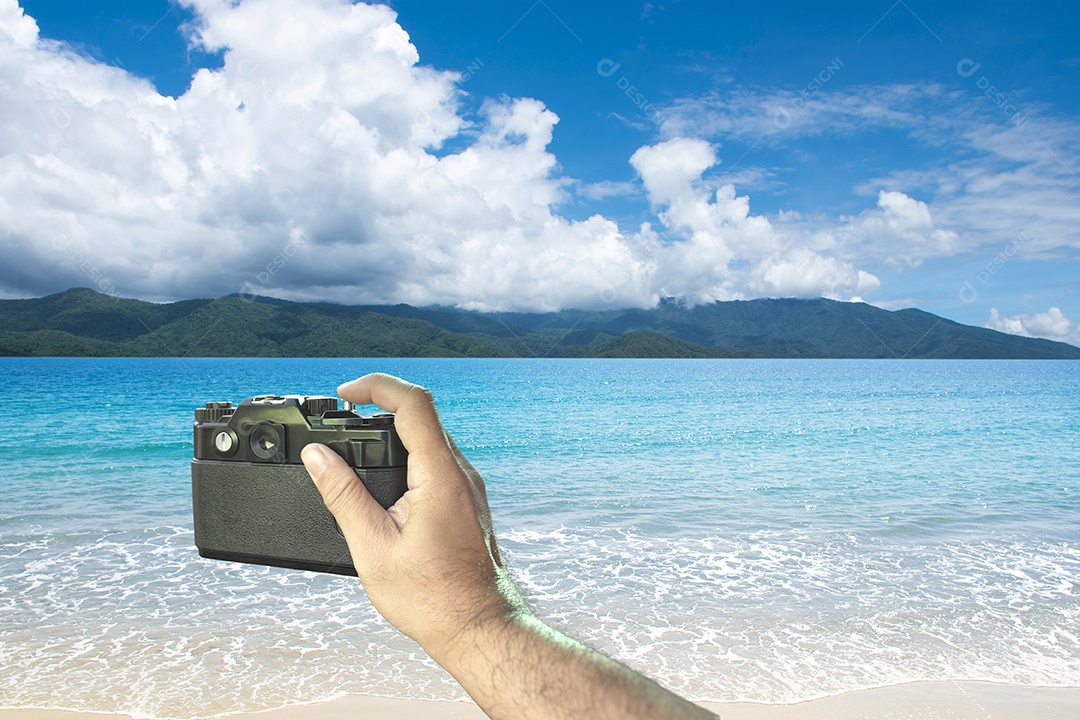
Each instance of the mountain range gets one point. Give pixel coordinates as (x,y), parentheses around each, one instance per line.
(82,322)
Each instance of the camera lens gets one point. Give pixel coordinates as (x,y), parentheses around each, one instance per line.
(265,441)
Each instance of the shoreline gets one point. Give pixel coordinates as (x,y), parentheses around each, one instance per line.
(923,700)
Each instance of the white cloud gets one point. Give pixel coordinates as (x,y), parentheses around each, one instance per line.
(669,168)
(306,167)
(899,232)
(606,189)
(775,116)
(1052,324)
(312,165)
(990,179)
(724,251)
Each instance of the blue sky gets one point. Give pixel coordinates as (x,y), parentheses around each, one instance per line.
(534,155)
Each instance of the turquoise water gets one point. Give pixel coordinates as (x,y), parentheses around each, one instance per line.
(739,530)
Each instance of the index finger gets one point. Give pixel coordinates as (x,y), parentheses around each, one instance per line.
(416,418)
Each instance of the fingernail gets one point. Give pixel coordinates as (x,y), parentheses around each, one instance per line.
(315,460)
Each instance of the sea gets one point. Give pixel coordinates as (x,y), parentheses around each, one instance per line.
(739,530)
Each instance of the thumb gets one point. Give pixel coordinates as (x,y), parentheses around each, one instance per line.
(358,514)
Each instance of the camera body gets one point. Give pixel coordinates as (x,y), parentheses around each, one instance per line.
(252,499)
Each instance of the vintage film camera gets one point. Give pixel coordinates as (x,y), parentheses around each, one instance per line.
(253,500)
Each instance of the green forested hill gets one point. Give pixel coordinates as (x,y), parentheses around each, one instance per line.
(83,322)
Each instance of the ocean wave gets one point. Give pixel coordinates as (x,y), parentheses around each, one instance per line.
(136,622)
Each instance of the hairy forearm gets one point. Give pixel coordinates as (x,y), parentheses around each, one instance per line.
(517,668)
(433,568)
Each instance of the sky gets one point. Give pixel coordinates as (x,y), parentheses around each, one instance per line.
(547,154)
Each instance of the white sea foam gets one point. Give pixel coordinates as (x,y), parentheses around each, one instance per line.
(136,622)
(785,616)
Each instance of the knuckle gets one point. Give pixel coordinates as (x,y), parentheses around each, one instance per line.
(422,395)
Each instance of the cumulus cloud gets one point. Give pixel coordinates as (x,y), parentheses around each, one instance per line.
(992,176)
(726,251)
(304,167)
(1052,324)
(900,232)
(312,165)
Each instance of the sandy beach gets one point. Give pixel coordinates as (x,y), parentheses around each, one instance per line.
(913,701)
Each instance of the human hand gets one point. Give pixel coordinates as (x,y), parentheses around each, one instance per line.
(431,566)
(430,563)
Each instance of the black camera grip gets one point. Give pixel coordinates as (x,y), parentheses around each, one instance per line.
(386,485)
